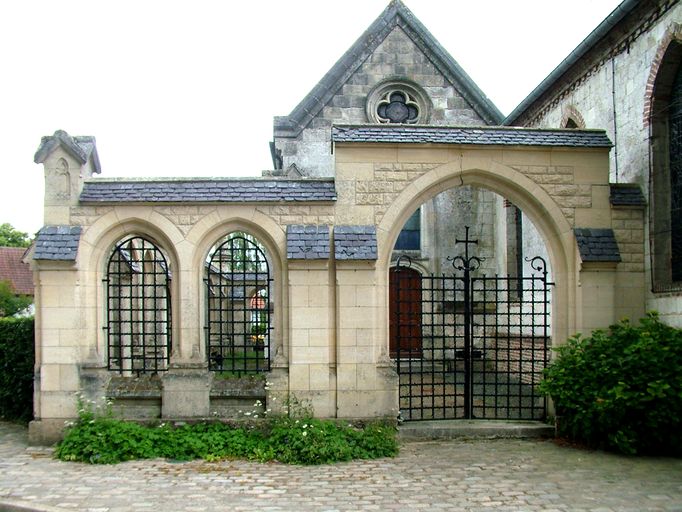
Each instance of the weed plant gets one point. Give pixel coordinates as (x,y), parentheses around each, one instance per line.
(99,438)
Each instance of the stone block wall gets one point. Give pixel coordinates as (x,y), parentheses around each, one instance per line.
(616,96)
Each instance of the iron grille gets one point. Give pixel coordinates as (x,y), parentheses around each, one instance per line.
(239,313)
(138,308)
(675,147)
(469,347)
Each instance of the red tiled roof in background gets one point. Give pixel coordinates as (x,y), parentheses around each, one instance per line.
(13,269)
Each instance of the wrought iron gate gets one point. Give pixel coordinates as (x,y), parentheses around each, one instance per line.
(483,341)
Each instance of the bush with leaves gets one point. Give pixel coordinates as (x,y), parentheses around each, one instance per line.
(621,388)
(17,355)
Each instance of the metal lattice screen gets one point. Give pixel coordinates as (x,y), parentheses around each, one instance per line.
(470,347)
(138,307)
(239,313)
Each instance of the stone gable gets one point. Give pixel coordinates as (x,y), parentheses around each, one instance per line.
(397,56)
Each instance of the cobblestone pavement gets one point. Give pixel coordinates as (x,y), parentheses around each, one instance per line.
(478,475)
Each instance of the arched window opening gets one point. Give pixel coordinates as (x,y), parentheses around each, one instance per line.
(238,296)
(138,307)
(570,123)
(666,177)
(572,118)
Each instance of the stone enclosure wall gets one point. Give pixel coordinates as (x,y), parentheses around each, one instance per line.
(330,334)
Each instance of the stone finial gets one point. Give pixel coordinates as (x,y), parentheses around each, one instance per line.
(67,162)
(82,148)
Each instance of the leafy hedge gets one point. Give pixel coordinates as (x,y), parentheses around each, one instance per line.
(621,388)
(17,358)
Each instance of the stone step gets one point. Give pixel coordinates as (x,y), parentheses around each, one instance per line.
(481,429)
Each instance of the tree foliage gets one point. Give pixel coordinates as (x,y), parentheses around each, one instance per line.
(10,237)
(10,302)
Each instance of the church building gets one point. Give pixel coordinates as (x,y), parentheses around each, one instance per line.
(412,254)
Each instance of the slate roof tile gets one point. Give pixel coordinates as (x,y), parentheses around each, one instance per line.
(626,194)
(597,245)
(504,136)
(355,243)
(307,242)
(57,243)
(208,190)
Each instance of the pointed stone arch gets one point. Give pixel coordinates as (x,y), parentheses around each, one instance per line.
(97,244)
(273,240)
(532,199)
(572,118)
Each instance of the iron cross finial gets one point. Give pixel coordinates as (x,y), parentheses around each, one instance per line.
(467,241)
(467,262)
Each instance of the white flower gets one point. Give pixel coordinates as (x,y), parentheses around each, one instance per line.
(305,434)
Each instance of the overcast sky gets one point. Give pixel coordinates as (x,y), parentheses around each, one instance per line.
(180,88)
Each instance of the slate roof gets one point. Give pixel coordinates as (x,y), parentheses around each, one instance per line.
(79,147)
(307,242)
(355,242)
(626,194)
(598,245)
(216,190)
(506,136)
(396,14)
(57,243)
(14,270)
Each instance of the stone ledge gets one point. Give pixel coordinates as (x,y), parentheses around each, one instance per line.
(479,429)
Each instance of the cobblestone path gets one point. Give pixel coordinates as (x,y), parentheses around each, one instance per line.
(479,475)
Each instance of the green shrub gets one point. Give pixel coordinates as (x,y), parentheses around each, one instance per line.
(621,388)
(100,439)
(16,368)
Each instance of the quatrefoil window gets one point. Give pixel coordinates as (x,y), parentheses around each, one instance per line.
(398,107)
(398,100)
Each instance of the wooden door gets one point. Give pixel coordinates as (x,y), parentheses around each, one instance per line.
(405,311)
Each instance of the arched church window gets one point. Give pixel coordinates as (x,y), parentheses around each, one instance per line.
(675,155)
(398,101)
(238,298)
(666,148)
(138,307)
